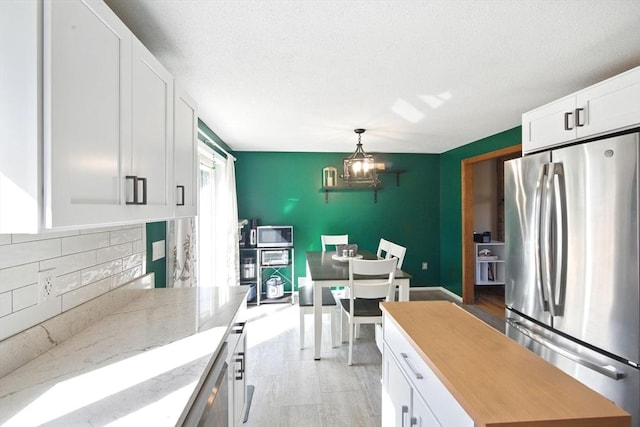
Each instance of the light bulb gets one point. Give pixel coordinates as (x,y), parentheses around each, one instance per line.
(357,167)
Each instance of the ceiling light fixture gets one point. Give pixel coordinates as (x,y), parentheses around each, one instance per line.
(360,167)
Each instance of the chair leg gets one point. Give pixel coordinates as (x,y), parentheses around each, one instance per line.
(344,324)
(334,327)
(357,330)
(301,328)
(351,331)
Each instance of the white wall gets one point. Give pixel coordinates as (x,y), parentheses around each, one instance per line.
(485,200)
(87,263)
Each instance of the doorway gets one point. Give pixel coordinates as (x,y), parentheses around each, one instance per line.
(468,223)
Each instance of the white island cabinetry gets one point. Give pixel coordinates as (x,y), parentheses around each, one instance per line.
(444,367)
(412,395)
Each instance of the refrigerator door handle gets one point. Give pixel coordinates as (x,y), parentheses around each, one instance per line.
(606,370)
(556,286)
(536,237)
(546,236)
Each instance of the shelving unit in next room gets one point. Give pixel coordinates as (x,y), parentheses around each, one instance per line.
(489,268)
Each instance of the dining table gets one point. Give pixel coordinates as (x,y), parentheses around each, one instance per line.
(327,269)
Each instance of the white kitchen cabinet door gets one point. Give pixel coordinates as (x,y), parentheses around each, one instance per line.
(609,106)
(396,393)
(613,104)
(185,154)
(86,113)
(548,125)
(421,415)
(151,138)
(20,122)
(402,405)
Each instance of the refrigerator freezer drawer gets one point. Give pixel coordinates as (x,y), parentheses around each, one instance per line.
(615,380)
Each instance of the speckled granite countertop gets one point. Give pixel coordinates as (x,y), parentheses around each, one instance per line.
(140,365)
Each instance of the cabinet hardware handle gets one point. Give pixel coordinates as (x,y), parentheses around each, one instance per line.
(578,124)
(241,370)
(181,189)
(144,191)
(405,410)
(414,421)
(238,328)
(135,189)
(413,370)
(566,120)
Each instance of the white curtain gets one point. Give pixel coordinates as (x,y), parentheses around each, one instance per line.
(181,259)
(230,235)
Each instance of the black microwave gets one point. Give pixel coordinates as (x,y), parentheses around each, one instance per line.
(275,236)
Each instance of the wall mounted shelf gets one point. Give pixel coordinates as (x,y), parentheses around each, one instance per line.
(363,187)
(327,190)
(398,172)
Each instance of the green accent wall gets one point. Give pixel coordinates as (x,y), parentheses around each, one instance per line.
(423,213)
(157,231)
(281,188)
(450,202)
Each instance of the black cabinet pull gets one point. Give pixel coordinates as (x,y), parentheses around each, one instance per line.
(566,120)
(181,189)
(238,328)
(578,124)
(136,180)
(144,191)
(241,371)
(135,189)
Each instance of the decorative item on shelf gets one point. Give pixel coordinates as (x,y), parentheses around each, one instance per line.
(360,167)
(482,237)
(486,255)
(329,177)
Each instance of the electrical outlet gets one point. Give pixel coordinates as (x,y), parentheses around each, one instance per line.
(425,265)
(46,285)
(157,250)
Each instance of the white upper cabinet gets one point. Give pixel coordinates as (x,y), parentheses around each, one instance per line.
(86,113)
(89,139)
(185,154)
(152,136)
(604,107)
(610,105)
(20,120)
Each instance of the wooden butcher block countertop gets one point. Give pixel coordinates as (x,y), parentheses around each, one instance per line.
(495,380)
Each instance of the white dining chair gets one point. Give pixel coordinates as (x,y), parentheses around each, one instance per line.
(396,251)
(305,303)
(383,248)
(333,240)
(363,304)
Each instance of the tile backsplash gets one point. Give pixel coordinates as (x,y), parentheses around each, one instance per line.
(86,263)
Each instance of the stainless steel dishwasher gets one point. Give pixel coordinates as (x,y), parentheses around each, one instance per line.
(211,406)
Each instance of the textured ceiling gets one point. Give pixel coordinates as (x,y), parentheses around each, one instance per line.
(420,76)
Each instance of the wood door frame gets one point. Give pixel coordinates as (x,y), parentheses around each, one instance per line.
(468,258)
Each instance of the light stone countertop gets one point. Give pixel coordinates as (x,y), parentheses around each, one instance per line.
(139,366)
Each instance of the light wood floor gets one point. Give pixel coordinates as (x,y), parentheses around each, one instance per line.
(491,300)
(292,389)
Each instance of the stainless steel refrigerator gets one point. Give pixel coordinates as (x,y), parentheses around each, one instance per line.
(572,290)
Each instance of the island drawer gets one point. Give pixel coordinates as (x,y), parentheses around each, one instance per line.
(441,402)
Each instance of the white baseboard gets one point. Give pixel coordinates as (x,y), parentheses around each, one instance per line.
(436,288)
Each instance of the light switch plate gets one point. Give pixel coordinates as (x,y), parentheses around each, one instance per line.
(157,250)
